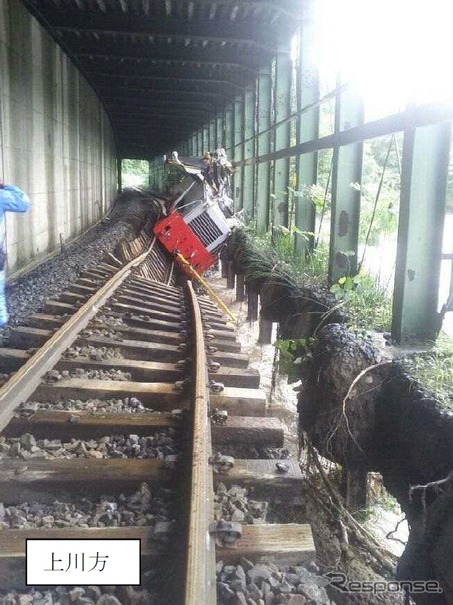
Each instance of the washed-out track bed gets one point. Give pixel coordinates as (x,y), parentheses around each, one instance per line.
(117,403)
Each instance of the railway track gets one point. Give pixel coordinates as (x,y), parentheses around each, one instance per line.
(167,388)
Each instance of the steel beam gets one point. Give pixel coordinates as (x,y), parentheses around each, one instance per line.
(238,149)
(263,147)
(185,62)
(200,142)
(249,150)
(212,135)
(229,130)
(167,52)
(422,210)
(282,103)
(220,140)
(307,129)
(346,170)
(205,138)
(420,115)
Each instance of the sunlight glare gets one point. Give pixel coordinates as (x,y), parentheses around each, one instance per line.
(396,52)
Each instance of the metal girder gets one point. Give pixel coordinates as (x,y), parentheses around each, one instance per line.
(124,102)
(168,61)
(307,129)
(263,147)
(205,138)
(212,135)
(238,152)
(229,130)
(220,140)
(169,80)
(424,176)
(159,91)
(141,52)
(283,73)
(184,116)
(420,115)
(200,142)
(143,115)
(157,28)
(346,171)
(249,150)
(152,34)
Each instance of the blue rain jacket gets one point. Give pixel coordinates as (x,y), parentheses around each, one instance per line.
(12,199)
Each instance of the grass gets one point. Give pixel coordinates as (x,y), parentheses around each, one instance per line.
(434,370)
(370,306)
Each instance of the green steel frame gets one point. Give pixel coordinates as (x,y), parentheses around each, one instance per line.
(238,149)
(282,105)
(263,148)
(346,173)
(422,210)
(307,129)
(248,202)
(255,129)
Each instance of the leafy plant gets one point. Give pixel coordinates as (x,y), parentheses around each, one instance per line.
(366,301)
(291,355)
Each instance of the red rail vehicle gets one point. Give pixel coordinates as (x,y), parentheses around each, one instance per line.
(199,220)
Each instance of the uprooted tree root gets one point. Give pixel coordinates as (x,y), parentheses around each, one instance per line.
(366,413)
(343,544)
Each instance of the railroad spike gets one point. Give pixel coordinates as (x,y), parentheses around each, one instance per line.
(219,417)
(214,367)
(226,533)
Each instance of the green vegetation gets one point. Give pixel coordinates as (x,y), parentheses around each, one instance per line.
(367,304)
(135,173)
(292,354)
(434,370)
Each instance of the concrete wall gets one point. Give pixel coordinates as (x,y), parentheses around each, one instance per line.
(56,141)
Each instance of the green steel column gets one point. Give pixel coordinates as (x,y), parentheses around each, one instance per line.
(199,142)
(249,152)
(263,147)
(307,127)
(220,140)
(206,138)
(228,140)
(193,147)
(346,170)
(420,229)
(212,135)
(238,149)
(283,75)
(229,129)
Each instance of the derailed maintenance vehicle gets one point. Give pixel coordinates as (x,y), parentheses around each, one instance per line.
(201,216)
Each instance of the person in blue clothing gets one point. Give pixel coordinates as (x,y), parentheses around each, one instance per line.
(12,199)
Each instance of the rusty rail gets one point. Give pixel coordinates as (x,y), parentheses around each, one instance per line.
(200,584)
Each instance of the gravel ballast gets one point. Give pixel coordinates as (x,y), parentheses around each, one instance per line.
(131,405)
(138,509)
(28,293)
(267,584)
(160,446)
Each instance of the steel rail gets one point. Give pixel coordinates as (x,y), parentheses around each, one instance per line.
(200,580)
(27,378)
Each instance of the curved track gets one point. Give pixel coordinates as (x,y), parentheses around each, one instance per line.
(177,355)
